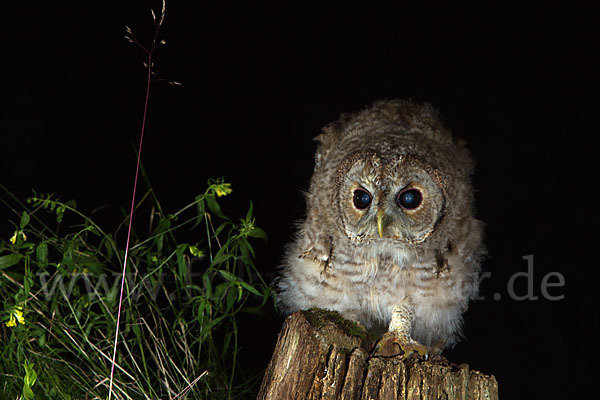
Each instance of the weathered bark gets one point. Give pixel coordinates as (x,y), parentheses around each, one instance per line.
(319,355)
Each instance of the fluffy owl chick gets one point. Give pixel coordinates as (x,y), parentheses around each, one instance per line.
(390,239)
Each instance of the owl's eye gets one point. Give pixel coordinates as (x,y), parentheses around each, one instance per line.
(409,199)
(362,199)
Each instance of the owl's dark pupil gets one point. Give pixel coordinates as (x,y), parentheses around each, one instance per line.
(362,199)
(410,198)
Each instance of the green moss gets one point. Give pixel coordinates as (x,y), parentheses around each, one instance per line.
(318,317)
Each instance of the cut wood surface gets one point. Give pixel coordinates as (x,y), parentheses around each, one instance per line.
(320,355)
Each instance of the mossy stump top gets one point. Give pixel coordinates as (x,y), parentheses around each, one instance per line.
(321,355)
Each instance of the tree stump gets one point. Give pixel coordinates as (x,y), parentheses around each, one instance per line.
(320,355)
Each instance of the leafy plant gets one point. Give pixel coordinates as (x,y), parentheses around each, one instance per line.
(182,300)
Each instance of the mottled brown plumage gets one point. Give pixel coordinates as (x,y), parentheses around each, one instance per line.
(391,264)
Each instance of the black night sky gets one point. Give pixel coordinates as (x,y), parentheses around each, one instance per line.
(258,83)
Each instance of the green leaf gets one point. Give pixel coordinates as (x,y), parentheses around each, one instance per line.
(28,381)
(219,291)
(247,250)
(220,228)
(92,229)
(226,342)
(27,393)
(181,263)
(172,217)
(160,230)
(10,260)
(249,213)
(60,213)
(231,298)
(90,262)
(30,374)
(136,330)
(215,207)
(24,220)
(67,258)
(194,288)
(41,253)
(222,255)
(229,276)
(207,285)
(258,233)
(200,204)
(220,258)
(250,288)
(201,306)
(215,322)
(163,225)
(108,246)
(42,340)
(201,208)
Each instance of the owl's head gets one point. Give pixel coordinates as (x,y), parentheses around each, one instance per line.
(393,174)
(400,199)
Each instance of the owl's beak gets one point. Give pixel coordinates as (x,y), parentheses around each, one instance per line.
(380,214)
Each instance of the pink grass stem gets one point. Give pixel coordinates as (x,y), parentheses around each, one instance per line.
(137,169)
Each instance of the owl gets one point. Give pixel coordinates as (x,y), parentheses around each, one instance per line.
(390,239)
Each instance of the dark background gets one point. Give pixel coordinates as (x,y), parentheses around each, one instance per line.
(520,85)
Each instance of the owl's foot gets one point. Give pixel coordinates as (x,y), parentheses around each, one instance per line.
(393,344)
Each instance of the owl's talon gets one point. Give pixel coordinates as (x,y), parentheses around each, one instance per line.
(393,345)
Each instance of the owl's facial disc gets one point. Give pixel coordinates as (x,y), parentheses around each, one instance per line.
(390,202)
